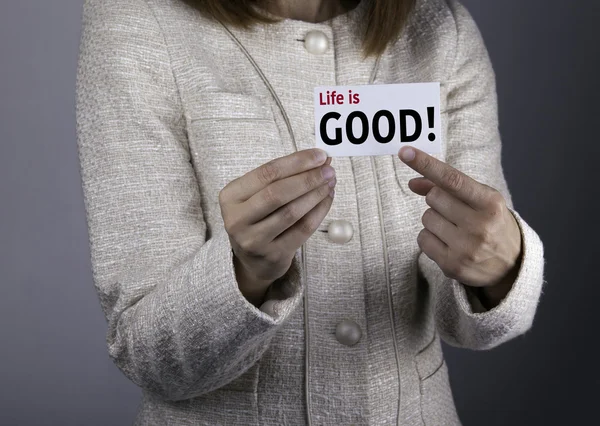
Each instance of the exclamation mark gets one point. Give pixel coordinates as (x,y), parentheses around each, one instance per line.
(431,121)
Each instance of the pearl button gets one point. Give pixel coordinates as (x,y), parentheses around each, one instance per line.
(316,42)
(348,333)
(340,231)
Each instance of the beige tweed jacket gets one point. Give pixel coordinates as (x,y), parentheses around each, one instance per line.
(171,106)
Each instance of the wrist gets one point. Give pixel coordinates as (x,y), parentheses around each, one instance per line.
(491,296)
(252,288)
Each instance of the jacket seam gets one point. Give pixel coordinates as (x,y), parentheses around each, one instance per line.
(265,80)
(388,283)
(428,344)
(434,371)
(372,78)
(169,54)
(303,249)
(422,393)
(452,68)
(179,97)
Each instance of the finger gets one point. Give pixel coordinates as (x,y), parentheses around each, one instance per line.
(244,187)
(451,208)
(280,193)
(433,247)
(280,220)
(445,176)
(420,185)
(301,231)
(442,228)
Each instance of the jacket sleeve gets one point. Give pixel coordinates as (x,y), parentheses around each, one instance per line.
(178,325)
(474,147)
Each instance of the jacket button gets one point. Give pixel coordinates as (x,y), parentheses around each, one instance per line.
(348,332)
(340,231)
(316,42)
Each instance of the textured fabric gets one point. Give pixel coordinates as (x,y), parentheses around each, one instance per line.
(171,106)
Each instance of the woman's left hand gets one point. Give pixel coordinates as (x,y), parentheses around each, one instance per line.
(468,229)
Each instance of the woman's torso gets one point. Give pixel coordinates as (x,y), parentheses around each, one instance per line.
(248,98)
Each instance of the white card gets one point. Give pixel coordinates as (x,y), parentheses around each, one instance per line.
(377,119)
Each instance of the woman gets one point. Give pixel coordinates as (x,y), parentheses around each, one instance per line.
(246,278)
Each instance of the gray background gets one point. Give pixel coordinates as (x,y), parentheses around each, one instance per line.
(54,368)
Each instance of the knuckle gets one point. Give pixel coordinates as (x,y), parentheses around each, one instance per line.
(427,217)
(308,181)
(289,213)
(248,246)
(486,234)
(242,245)
(421,237)
(271,197)
(307,226)
(496,202)
(312,156)
(227,223)
(268,172)
(432,195)
(469,255)
(274,257)
(472,250)
(426,163)
(453,270)
(323,191)
(223,196)
(453,180)
(232,224)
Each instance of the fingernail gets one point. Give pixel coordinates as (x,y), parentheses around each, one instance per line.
(321,155)
(332,182)
(332,193)
(407,154)
(327,172)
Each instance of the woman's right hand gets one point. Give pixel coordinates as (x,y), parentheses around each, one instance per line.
(271,211)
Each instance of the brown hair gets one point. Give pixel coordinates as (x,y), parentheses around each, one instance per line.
(385,19)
